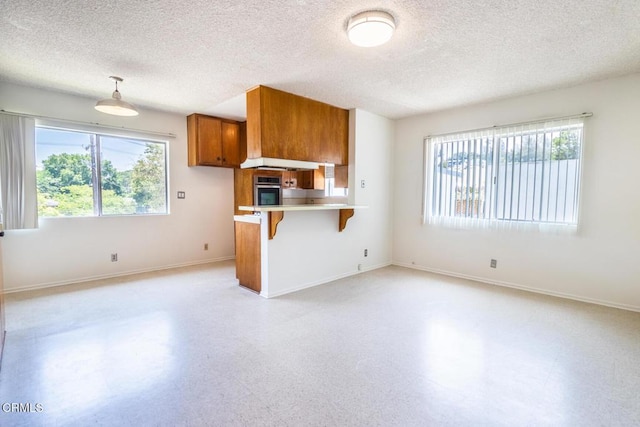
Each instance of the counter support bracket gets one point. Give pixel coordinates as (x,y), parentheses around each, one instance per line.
(274,219)
(345,214)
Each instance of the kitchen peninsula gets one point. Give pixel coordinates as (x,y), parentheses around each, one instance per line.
(295,157)
(255,233)
(293,144)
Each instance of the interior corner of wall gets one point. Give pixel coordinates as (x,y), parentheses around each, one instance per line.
(352,157)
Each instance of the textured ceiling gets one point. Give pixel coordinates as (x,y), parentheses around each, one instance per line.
(201,55)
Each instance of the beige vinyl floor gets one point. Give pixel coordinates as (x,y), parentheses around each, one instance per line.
(394,346)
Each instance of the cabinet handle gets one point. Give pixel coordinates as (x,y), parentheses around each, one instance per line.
(224,160)
(217,158)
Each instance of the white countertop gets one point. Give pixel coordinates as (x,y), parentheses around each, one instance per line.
(254,219)
(314,207)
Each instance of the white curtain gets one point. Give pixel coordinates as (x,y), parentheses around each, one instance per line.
(18,199)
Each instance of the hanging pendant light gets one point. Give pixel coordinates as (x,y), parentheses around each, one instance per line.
(115,105)
(371,28)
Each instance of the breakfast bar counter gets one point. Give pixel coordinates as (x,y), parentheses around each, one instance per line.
(276,212)
(300,207)
(254,232)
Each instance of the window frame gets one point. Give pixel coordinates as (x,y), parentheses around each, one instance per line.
(96,163)
(494,135)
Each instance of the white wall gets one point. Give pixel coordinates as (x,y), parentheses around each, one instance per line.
(600,263)
(65,250)
(308,249)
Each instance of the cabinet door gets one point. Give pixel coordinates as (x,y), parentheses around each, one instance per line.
(290,179)
(209,133)
(286,179)
(313,179)
(230,144)
(318,178)
(248,256)
(342,177)
(306,179)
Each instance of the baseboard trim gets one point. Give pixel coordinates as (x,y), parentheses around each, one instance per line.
(326,280)
(520,287)
(111,276)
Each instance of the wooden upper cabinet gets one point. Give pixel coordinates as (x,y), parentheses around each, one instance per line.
(231,144)
(312,179)
(342,177)
(290,179)
(286,126)
(213,141)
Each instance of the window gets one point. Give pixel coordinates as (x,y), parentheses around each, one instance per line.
(523,174)
(90,174)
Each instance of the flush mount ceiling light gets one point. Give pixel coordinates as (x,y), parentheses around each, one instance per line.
(371,28)
(115,105)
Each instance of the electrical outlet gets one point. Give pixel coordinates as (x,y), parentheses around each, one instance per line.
(181,195)
(206,246)
(359,267)
(114,257)
(494,263)
(366,252)
(362,183)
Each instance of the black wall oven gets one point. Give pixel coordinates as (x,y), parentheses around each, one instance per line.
(267,190)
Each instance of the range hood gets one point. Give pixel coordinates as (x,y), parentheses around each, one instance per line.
(278,164)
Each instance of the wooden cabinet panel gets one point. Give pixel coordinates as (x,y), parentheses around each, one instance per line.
(338,148)
(242,152)
(290,179)
(248,255)
(242,189)
(230,144)
(213,141)
(312,179)
(254,124)
(306,179)
(287,126)
(243,186)
(342,177)
(315,179)
(204,140)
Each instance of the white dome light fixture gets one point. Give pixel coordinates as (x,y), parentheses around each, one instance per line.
(371,28)
(115,105)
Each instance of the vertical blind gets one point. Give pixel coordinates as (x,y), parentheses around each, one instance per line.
(512,176)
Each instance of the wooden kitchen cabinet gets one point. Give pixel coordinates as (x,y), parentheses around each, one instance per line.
(213,141)
(312,179)
(342,177)
(290,179)
(231,144)
(315,179)
(248,255)
(282,125)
